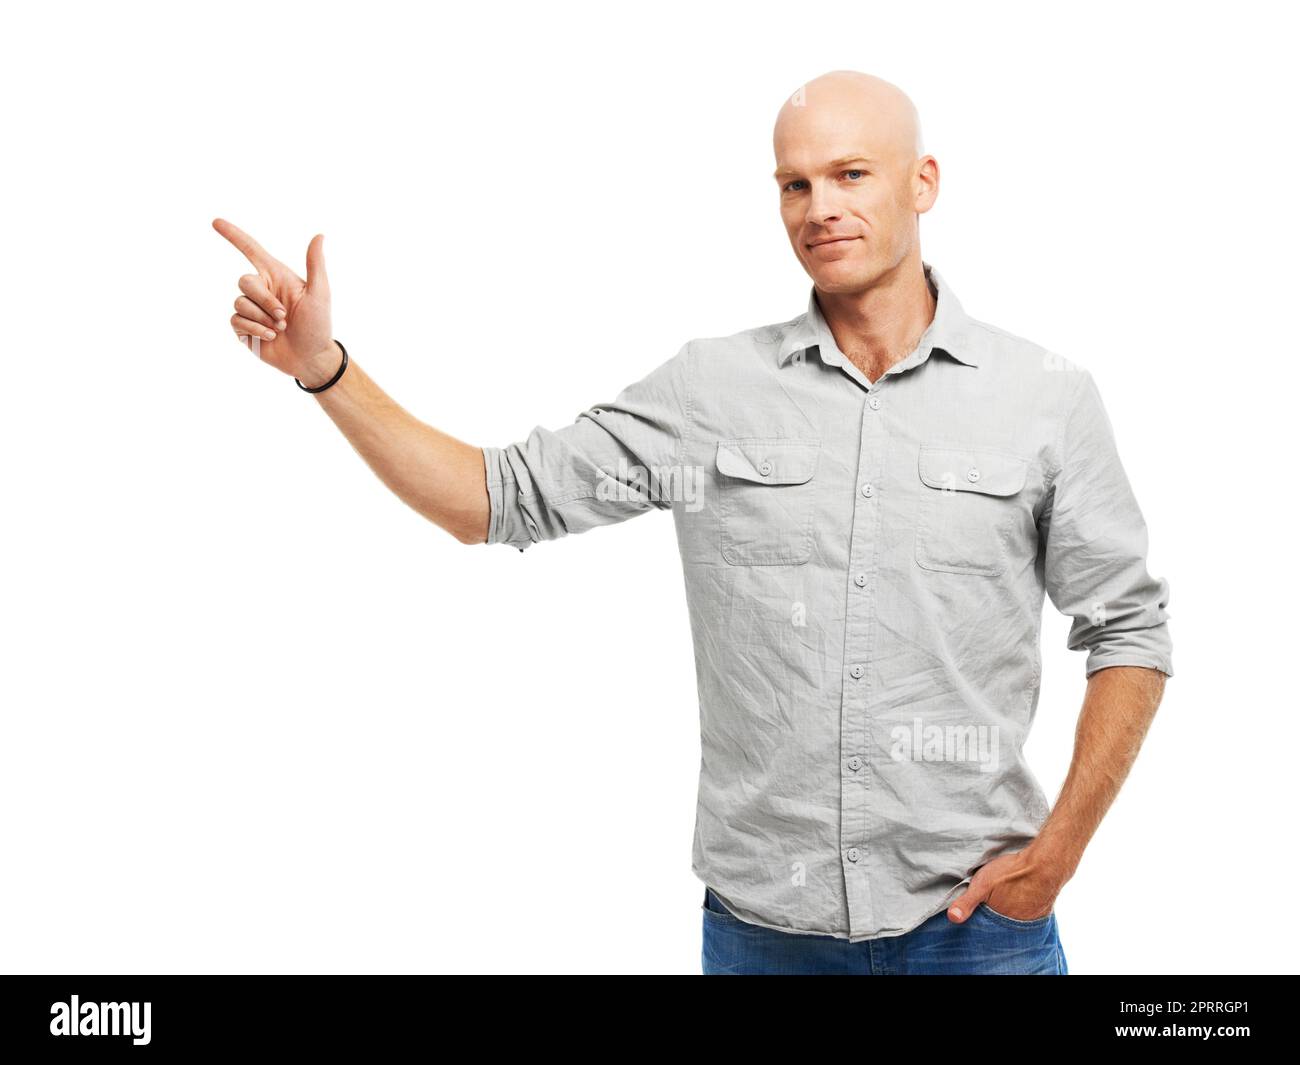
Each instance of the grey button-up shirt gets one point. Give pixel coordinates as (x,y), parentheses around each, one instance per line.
(865,565)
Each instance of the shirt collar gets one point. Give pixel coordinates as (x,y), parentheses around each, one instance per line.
(948,332)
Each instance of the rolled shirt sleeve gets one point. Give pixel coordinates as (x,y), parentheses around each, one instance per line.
(1095,566)
(615,461)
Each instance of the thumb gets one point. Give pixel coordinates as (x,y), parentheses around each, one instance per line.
(964,905)
(317,281)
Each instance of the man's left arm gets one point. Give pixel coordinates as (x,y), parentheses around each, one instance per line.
(1095,570)
(1117,710)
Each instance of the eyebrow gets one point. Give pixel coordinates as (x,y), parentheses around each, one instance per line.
(785,171)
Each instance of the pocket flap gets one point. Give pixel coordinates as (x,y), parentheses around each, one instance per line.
(959,469)
(769,461)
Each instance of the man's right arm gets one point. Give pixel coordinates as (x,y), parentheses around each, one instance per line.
(434,473)
(615,461)
(286,321)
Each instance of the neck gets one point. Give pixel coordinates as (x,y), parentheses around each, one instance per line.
(881,325)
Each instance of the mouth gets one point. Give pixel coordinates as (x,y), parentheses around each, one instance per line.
(831,241)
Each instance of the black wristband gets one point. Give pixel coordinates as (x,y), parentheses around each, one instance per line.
(333,380)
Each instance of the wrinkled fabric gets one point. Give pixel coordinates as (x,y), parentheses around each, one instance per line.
(865,568)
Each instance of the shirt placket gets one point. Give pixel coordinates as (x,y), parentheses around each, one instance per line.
(859,628)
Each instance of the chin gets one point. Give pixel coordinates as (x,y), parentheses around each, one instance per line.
(841,274)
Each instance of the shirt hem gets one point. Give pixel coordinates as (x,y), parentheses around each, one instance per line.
(865,937)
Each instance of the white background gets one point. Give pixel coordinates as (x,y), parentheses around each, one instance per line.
(259,716)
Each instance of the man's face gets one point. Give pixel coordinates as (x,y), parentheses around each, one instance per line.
(849,194)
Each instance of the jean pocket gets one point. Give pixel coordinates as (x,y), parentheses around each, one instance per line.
(968,507)
(714,909)
(766,500)
(1013,922)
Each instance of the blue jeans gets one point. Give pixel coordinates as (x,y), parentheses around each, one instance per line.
(986,943)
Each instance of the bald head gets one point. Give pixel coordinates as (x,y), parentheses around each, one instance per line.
(878,110)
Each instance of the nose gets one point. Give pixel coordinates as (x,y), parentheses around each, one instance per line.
(822,208)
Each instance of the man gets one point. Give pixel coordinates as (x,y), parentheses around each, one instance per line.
(871,500)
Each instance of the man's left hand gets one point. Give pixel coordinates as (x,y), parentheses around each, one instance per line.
(1015,885)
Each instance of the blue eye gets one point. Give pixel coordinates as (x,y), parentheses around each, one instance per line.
(790,186)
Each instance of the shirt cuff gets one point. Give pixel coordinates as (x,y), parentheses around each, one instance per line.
(1098,662)
(502,491)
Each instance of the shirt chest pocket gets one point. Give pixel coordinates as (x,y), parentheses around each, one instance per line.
(766,500)
(968,508)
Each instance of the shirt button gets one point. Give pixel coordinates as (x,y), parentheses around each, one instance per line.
(860,580)
(856,672)
(972,474)
(867,490)
(765,467)
(853,854)
(874,403)
(855,763)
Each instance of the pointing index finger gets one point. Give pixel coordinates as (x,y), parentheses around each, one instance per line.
(254,252)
